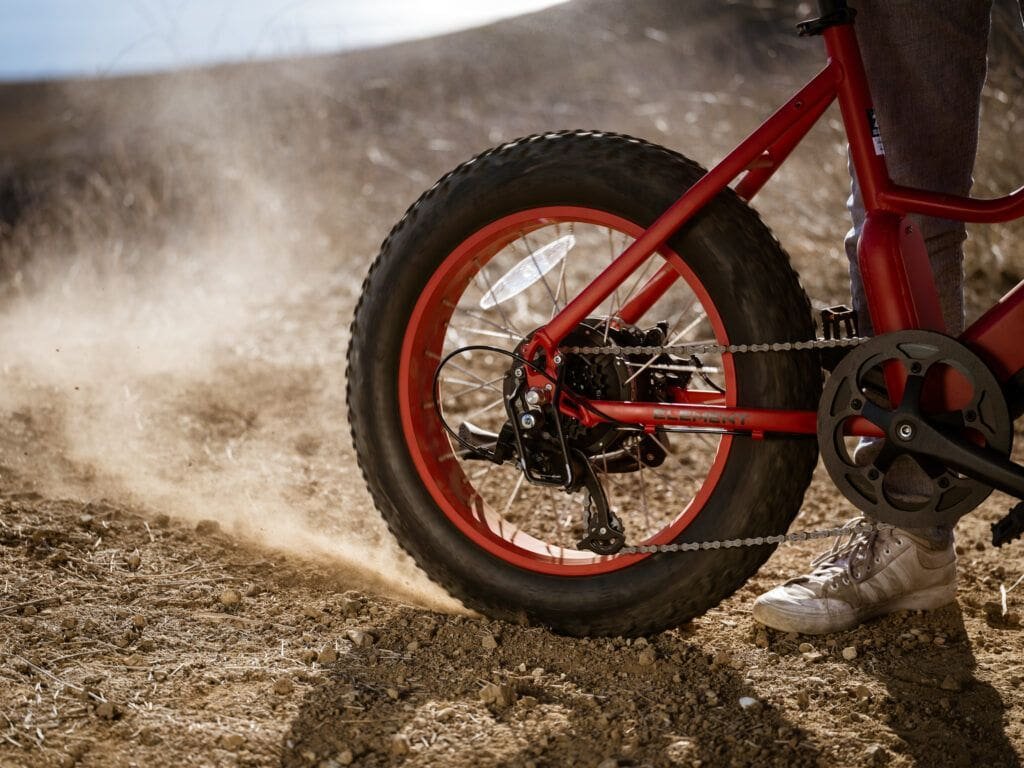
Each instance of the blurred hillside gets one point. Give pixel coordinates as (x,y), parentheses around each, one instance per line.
(113,174)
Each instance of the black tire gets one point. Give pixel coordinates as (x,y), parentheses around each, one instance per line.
(753,287)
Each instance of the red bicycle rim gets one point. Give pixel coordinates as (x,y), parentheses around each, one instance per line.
(429,445)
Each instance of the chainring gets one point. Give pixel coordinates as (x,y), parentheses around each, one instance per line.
(876,477)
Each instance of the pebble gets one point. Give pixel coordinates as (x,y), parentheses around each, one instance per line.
(876,754)
(647,657)
(108,710)
(348,606)
(862,692)
(813,656)
(721,659)
(284,686)
(230,598)
(681,752)
(345,757)
(413,646)
(749,702)
(233,741)
(805,648)
(850,653)
(488,641)
(392,694)
(134,560)
(950,683)
(610,762)
(499,695)
(359,638)
(207,527)
(399,744)
(327,655)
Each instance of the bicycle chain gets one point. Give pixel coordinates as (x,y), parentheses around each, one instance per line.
(706,349)
(756,541)
(718,349)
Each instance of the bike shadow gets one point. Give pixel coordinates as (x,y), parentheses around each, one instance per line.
(935,702)
(445,690)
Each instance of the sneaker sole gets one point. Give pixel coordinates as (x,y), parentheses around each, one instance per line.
(793,621)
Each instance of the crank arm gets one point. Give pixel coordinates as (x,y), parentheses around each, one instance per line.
(917,436)
(981,464)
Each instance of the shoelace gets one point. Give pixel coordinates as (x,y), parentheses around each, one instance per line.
(847,554)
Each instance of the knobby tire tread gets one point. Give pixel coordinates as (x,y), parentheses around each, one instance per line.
(727,217)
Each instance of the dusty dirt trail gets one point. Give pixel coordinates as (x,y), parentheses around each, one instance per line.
(191,570)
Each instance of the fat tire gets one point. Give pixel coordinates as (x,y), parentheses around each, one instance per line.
(759,298)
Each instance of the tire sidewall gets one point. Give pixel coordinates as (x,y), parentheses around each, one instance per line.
(637,182)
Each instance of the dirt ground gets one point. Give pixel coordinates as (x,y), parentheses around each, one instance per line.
(192,572)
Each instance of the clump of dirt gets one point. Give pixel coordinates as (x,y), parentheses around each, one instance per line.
(134,637)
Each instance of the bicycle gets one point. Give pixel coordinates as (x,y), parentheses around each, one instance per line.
(556,352)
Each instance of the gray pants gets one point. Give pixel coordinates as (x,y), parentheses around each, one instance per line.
(926,62)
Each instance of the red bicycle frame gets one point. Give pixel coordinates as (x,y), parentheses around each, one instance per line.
(898,280)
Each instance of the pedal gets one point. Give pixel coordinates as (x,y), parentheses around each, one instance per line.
(838,322)
(1010,527)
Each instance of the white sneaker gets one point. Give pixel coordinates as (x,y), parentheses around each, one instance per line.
(863,576)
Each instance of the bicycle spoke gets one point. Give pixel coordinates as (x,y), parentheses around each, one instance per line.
(472,387)
(515,493)
(469,373)
(514,333)
(501,311)
(641,278)
(484,409)
(543,277)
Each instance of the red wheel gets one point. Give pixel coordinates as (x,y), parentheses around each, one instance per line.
(482,260)
(536,527)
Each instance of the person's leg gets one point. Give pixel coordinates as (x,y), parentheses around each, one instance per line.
(925,62)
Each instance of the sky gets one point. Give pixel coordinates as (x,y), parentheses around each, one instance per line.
(61,38)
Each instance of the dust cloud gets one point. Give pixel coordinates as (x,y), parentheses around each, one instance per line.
(204,380)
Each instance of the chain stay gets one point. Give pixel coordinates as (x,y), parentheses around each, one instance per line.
(721,349)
